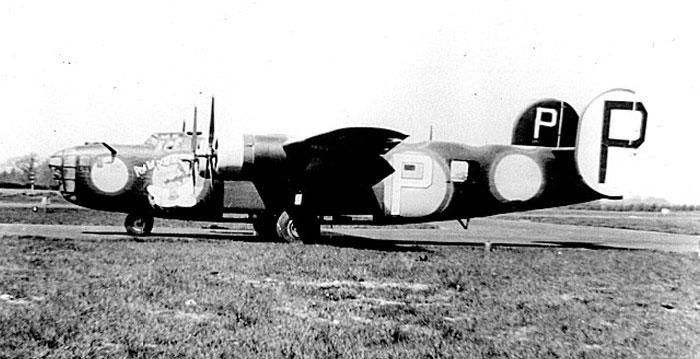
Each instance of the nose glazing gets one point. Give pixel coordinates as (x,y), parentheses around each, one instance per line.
(65,167)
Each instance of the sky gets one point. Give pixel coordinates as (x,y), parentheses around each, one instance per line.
(81,71)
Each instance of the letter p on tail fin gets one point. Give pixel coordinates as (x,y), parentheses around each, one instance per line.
(612,128)
(547,123)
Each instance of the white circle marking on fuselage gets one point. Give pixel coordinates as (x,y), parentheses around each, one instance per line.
(517,177)
(109,175)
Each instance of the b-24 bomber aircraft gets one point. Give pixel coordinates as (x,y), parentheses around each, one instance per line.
(288,187)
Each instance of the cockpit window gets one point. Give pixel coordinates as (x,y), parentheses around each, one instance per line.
(175,141)
(152,141)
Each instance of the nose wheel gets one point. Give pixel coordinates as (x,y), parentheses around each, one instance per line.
(138,224)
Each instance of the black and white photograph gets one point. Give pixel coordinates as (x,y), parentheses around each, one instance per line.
(365,179)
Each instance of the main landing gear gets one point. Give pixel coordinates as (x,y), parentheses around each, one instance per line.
(289,228)
(138,224)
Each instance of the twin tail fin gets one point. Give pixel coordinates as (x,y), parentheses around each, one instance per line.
(606,137)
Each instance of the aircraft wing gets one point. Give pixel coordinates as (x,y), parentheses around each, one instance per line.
(348,157)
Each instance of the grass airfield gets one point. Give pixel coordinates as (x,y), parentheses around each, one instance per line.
(199,297)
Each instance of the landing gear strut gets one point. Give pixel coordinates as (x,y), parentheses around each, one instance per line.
(138,224)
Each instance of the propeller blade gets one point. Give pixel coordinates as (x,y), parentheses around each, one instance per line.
(194,177)
(211,158)
(211,126)
(194,149)
(210,163)
(194,132)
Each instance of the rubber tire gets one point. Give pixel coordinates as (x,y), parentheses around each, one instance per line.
(298,228)
(138,225)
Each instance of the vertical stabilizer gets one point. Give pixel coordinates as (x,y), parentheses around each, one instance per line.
(613,126)
(547,123)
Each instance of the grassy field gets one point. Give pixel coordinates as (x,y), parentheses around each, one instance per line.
(676,222)
(194,297)
(200,298)
(28,196)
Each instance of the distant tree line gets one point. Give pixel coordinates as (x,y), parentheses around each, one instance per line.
(25,171)
(634,206)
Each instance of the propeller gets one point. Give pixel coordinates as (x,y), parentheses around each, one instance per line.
(211,154)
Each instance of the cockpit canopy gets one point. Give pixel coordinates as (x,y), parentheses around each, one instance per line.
(175,141)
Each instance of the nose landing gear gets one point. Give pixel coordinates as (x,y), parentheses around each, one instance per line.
(138,224)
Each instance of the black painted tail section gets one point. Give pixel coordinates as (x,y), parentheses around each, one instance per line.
(547,123)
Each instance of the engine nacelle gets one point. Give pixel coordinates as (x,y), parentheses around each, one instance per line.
(242,157)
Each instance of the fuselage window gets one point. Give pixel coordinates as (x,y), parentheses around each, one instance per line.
(459,171)
(412,171)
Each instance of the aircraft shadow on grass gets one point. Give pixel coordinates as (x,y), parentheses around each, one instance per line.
(357,242)
(329,239)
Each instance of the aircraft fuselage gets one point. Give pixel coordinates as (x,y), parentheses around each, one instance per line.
(431,181)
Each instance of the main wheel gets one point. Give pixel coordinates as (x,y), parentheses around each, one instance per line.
(138,224)
(304,228)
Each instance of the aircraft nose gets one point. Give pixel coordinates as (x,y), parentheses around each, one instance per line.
(64,166)
(90,171)
(67,166)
